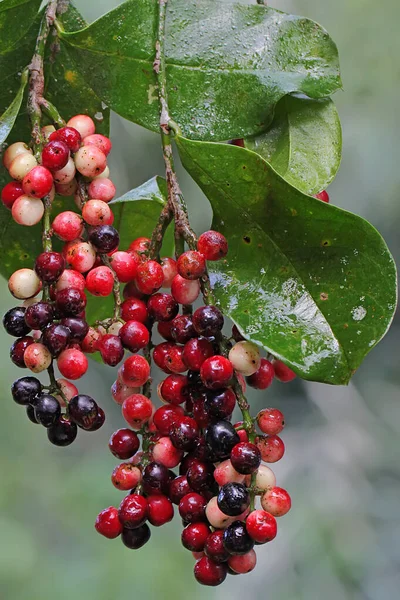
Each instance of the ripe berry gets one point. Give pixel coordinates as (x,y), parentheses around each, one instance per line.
(156,479)
(55,155)
(221,437)
(21,165)
(108,523)
(100,281)
(13,151)
(38,182)
(83,410)
(324,196)
(78,328)
(17,350)
(214,547)
(83,124)
(90,161)
(134,335)
(184,433)
(162,307)
(271,421)
(30,413)
(200,475)
(136,538)
(124,265)
(243,564)
(182,329)
(65,175)
(160,510)
(80,255)
(194,536)
(276,501)
(72,363)
(174,359)
(178,488)
(67,226)
(245,358)
(137,410)
(216,372)
(69,135)
(221,403)
(111,349)
(14,322)
(133,511)
(49,266)
(126,476)
(39,315)
(282,372)
(104,238)
(124,443)
(261,526)
(195,352)
(212,245)
(10,192)
(191,265)
(263,377)
(135,371)
(70,302)
(233,499)
(207,572)
(149,277)
(237,540)
(271,447)
(245,458)
(192,508)
(134,309)
(26,390)
(47,410)
(63,432)
(208,321)
(185,291)
(37,357)
(174,389)
(160,354)
(102,188)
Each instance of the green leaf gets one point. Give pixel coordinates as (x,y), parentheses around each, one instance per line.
(66,87)
(303,143)
(9,116)
(228,64)
(311,283)
(16,17)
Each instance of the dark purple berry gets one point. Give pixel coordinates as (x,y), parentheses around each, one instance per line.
(63,432)
(233,499)
(25,390)
(39,315)
(49,266)
(14,322)
(47,410)
(83,410)
(56,338)
(104,238)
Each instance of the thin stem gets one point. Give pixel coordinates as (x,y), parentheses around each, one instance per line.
(164,220)
(52,112)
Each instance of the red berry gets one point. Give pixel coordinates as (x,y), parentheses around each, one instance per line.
(164,329)
(124,266)
(178,488)
(276,501)
(271,421)
(125,476)
(195,352)
(212,245)
(55,155)
(162,307)
(100,281)
(192,508)
(11,192)
(244,563)
(70,302)
(137,410)
(108,523)
(200,475)
(165,416)
(72,363)
(134,309)
(207,572)
(134,335)
(271,447)
(184,433)
(282,372)
(141,244)
(214,547)
(191,265)
(174,389)
(324,196)
(149,277)
(133,511)
(111,349)
(68,226)
(165,453)
(194,536)
(261,526)
(263,377)
(18,348)
(135,371)
(38,182)
(245,458)
(216,372)
(160,510)
(69,135)
(160,353)
(185,291)
(124,443)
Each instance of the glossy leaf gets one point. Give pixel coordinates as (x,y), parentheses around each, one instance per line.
(9,116)
(311,283)
(228,64)
(303,143)
(16,17)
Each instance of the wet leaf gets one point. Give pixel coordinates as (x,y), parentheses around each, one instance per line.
(311,283)
(228,64)
(303,143)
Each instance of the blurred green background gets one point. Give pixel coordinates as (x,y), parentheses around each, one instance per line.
(342,467)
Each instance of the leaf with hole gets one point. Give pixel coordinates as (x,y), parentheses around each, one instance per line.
(303,143)
(227,64)
(313,284)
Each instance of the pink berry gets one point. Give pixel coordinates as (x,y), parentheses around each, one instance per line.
(261,526)
(137,410)
(65,175)
(55,155)
(10,192)
(108,523)
(27,211)
(185,291)
(80,255)
(100,141)
(276,501)
(13,151)
(100,281)
(68,389)
(282,372)
(90,161)
(271,447)
(225,473)
(67,226)
(70,278)
(212,245)
(97,212)
(243,564)
(83,124)
(169,268)
(37,358)
(165,453)
(126,476)
(102,189)
(67,189)
(271,421)
(72,363)
(265,478)
(121,392)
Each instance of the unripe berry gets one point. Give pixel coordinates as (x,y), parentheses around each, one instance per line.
(68,389)
(72,363)
(191,265)
(108,523)
(10,192)
(102,188)
(126,476)
(165,453)
(185,291)
(121,392)
(49,266)
(80,255)
(215,516)
(67,189)
(69,135)
(137,410)
(271,421)
(276,501)
(37,358)
(243,564)
(169,268)
(100,281)
(13,151)
(47,130)
(261,526)
(212,245)
(83,124)
(245,358)
(225,473)
(70,279)
(135,371)
(149,277)
(24,283)
(67,226)
(55,155)
(265,478)
(90,161)
(97,212)
(21,165)
(101,142)
(27,211)
(38,182)
(66,174)
(124,265)
(282,372)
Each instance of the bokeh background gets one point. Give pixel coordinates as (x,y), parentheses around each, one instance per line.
(342,463)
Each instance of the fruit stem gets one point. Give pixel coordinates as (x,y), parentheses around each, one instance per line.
(52,112)
(157,237)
